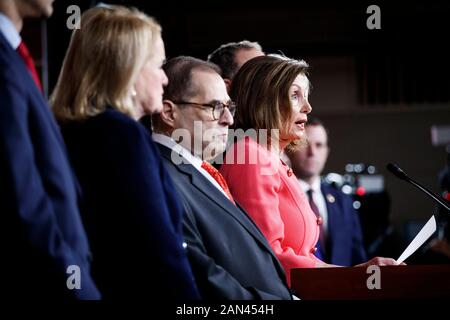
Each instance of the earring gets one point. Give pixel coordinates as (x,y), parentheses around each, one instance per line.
(133,92)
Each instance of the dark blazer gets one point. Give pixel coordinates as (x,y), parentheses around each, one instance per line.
(133,216)
(40,229)
(344,238)
(229,255)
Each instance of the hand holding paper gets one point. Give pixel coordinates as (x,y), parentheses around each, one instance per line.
(428,229)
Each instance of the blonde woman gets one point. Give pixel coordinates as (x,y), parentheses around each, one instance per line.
(111,77)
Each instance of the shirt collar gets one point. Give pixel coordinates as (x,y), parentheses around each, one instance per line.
(315,185)
(10,32)
(183,152)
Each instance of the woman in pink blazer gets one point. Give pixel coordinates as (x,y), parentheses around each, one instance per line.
(272,97)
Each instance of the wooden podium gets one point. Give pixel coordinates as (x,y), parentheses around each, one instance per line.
(401,282)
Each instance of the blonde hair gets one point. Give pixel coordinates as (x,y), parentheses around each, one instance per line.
(103,61)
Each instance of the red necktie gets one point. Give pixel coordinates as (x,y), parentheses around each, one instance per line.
(28,59)
(218,177)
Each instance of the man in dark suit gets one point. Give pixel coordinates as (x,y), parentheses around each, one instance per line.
(44,248)
(230,57)
(341,240)
(229,255)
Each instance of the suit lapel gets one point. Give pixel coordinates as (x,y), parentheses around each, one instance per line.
(39,102)
(330,208)
(330,229)
(204,186)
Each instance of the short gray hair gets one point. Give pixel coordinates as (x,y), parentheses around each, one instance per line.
(224,56)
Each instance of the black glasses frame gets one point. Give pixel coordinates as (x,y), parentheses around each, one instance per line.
(213,106)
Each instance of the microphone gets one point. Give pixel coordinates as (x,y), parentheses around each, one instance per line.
(399,173)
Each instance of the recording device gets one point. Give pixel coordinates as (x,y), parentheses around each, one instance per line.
(399,173)
(358,179)
(440,135)
(367,188)
(444,174)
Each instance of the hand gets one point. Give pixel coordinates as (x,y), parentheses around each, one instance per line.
(380,261)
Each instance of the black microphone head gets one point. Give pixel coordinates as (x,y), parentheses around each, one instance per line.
(395,169)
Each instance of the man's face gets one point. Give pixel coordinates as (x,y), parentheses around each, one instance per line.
(208,136)
(36,8)
(309,162)
(241,56)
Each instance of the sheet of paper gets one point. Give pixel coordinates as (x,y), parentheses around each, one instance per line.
(428,229)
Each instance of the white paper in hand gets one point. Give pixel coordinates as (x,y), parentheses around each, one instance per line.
(428,229)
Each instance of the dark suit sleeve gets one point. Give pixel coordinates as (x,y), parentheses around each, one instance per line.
(26,195)
(214,281)
(358,251)
(154,212)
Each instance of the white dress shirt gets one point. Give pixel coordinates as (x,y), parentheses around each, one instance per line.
(319,200)
(10,32)
(186,156)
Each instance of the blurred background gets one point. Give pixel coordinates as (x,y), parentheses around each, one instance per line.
(379,92)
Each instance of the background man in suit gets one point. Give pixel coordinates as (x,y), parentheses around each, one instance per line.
(42,233)
(341,238)
(229,255)
(231,56)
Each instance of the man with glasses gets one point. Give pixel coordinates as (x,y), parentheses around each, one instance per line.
(229,255)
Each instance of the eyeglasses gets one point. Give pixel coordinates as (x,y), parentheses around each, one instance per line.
(217,107)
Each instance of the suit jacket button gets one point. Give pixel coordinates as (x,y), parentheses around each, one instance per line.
(319,221)
(313,250)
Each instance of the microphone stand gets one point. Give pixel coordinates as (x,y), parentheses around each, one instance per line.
(401,175)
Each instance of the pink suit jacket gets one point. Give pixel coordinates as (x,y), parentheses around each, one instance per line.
(271,194)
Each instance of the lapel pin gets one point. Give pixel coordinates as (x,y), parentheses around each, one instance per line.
(330,198)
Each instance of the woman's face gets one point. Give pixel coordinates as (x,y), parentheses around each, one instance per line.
(298,96)
(150,82)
